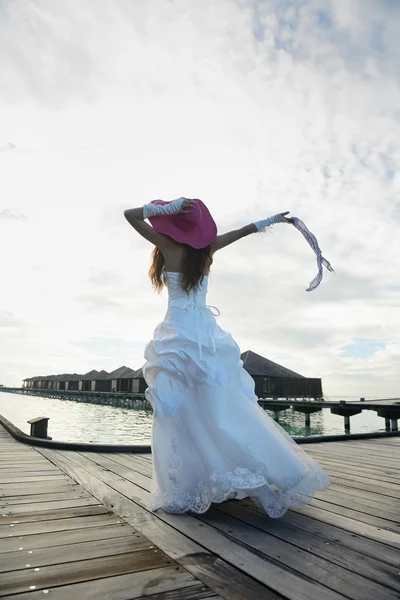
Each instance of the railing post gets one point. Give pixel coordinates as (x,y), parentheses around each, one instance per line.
(39,427)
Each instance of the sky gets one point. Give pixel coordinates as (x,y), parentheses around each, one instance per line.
(256,107)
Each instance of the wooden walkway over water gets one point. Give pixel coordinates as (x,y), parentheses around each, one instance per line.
(79,525)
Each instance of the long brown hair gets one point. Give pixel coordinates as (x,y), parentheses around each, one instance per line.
(195,263)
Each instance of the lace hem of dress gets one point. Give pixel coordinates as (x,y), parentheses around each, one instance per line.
(221,486)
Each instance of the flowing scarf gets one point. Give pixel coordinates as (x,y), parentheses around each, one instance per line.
(321,261)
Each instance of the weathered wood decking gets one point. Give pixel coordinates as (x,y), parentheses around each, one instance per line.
(79,525)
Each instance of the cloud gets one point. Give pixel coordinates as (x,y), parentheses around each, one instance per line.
(8,213)
(256,107)
(9,147)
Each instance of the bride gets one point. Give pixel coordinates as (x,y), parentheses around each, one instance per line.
(210,439)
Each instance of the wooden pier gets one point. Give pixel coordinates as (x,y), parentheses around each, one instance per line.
(387,408)
(79,525)
(117,399)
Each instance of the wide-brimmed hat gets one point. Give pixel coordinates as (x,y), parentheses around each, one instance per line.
(196,228)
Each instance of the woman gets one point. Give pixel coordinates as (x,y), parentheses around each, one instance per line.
(211,440)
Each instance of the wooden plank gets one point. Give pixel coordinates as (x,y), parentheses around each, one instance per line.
(124,461)
(23,489)
(27,472)
(362,460)
(357,449)
(57,525)
(336,533)
(15,454)
(17,449)
(6,477)
(26,484)
(130,475)
(34,487)
(124,464)
(44,540)
(144,470)
(57,555)
(366,505)
(383,488)
(331,547)
(27,468)
(311,565)
(328,533)
(23,483)
(15,461)
(83,570)
(57,496)
(14,451)
(346,464)
(51,515)
(40,507)
(366,448)
(386,474)
(145,459)
(354,492)
(379,523)
(161,583)
(285,582)
(350,524)
(131,458)
(356,515)
(380,480)
(187,594)
(379,442)
(29,457)
(34,478)
(214,572)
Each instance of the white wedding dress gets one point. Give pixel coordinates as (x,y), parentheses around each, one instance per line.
(210,438)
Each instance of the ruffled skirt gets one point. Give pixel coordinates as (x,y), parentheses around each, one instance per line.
(210,438)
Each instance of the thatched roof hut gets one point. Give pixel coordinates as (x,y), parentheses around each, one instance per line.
(255,364)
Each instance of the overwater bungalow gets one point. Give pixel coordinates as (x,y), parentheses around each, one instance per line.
(271,380)
(275,381)
(138,382)
(95,381)
(72,381)
(127,380)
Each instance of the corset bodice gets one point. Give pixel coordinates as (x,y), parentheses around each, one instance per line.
(196,315)
(178,297)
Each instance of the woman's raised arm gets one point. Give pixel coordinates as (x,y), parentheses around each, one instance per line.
(136,217)
(230,237)
(221,241)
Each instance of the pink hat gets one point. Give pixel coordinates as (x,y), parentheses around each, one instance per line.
(196,228)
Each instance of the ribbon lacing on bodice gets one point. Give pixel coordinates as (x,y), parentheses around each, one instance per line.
(194,302)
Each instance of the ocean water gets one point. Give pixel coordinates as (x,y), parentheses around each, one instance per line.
(79,422)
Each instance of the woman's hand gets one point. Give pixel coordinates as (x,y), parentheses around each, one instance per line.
(186,207)
(288,219)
